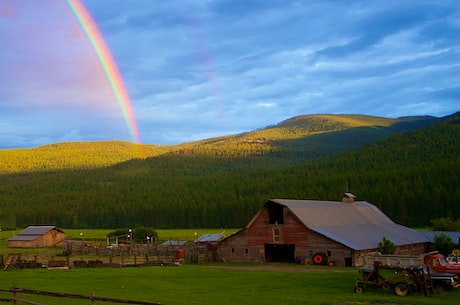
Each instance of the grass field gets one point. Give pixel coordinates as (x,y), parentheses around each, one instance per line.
(212,284)
(205,284)
(163,234)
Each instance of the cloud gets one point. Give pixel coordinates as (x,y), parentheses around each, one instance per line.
(200,68)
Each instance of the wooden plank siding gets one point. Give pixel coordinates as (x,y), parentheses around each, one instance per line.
(263,235)
(248,245)
(48,239)
(320,244)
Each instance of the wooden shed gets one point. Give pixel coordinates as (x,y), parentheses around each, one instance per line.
(321,232)
(36,237)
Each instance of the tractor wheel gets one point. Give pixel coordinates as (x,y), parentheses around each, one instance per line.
(401,289)
(359,289)
(320,258)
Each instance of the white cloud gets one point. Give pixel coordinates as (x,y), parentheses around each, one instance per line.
(208,68)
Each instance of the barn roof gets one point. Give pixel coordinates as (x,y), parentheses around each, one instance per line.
(359,225)
(33,232)
(208,238)
(455,236)
(174,243)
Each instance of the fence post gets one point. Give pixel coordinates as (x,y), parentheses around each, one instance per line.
(92,298)
(14,295)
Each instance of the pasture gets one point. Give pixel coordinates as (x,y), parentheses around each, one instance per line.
(205,284)
(213,284)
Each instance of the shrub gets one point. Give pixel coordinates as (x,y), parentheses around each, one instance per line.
(386,246)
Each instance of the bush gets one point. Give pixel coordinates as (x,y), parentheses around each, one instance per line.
(443,243)
(386,246)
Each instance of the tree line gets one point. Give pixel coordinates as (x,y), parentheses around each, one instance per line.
(413,177)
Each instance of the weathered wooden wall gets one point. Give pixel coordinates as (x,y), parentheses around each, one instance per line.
(49,239)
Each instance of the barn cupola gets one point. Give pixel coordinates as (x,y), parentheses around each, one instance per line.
(348,198)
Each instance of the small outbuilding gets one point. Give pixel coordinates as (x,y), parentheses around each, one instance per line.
(37,237)
(318,232)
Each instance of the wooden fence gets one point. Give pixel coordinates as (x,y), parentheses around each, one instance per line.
(15,299)
(116,257)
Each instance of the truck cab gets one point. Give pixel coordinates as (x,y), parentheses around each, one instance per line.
(438,264)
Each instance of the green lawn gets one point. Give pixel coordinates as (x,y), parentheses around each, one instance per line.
(203,284)
(211,284)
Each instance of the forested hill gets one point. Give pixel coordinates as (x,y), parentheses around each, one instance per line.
(413,176)
(298,139)
(74,155)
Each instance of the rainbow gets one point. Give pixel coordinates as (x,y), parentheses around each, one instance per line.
(108,64)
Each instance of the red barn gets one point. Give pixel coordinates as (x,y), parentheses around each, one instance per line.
(321,232)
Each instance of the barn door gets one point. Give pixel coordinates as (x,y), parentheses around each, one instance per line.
(280,253)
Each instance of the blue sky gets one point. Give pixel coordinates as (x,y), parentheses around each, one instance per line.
(202,68)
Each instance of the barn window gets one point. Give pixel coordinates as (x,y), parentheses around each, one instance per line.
(233,250)
(246,251)
(275,214)
(276,235)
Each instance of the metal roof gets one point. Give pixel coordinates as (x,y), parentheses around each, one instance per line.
(206,238)
(359,225)
(174,243)
(33,232)
(455,236)
(24,237)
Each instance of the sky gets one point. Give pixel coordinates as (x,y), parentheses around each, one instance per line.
(196,69)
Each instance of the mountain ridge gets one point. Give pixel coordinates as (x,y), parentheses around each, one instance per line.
(268,140)
(413,176)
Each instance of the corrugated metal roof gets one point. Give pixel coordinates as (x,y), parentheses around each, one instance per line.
(33,232)
(206,238)
(174,243)
(455,236)
(23,238)
(37,230)
(359,225)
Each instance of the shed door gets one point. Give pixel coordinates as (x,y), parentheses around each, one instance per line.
(279,253)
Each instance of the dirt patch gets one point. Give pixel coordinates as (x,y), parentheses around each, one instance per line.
(364,303)
(283,268)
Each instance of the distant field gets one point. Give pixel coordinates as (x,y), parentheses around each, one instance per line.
(212,284)
(101,235)
(170,234)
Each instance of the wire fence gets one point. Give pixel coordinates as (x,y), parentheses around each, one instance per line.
(17,292)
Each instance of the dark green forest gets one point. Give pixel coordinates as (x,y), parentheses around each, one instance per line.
(410,168)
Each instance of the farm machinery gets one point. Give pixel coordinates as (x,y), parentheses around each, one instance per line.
(401,280)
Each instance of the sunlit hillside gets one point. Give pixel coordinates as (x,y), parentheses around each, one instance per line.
(412,175)
(299,139)
(306,137)
(309,125)
(74,155)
